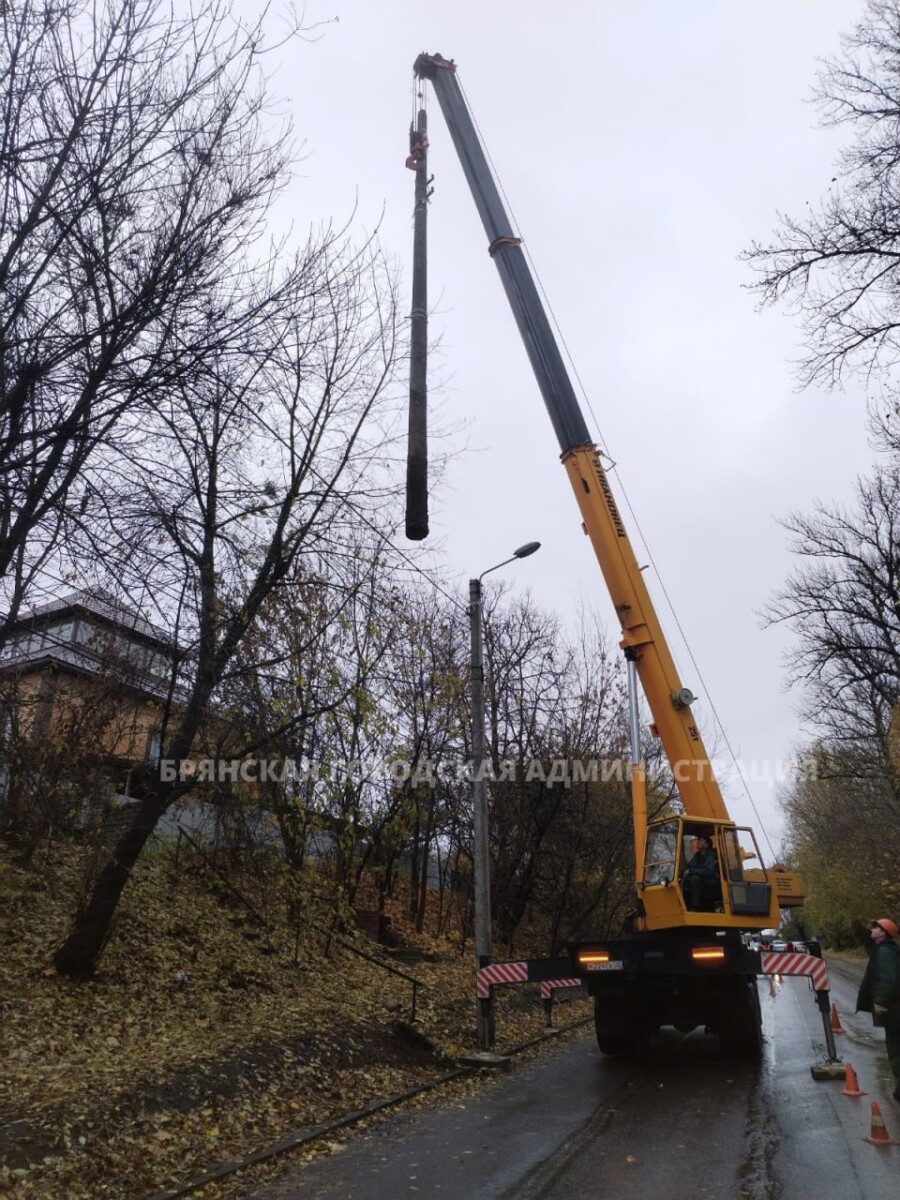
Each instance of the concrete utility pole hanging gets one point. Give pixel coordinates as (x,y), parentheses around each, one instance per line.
(417,445)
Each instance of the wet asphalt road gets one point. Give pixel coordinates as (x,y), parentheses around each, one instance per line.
(681,1123)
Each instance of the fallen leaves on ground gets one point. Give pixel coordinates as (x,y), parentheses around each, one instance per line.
(199,1042)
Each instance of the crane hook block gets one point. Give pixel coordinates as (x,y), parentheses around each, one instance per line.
(418,144)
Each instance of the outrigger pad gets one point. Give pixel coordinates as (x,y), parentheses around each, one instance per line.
(832,1069)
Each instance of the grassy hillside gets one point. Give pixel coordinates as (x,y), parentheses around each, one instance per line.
(204,1036)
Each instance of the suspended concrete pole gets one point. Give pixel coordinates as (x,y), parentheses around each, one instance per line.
(417,443)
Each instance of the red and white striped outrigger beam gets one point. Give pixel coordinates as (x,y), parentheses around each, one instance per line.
(789,963)
(549,986)
(536,970)
(546,971)
(509,972)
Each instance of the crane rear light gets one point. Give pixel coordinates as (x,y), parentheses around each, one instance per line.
(592,958)
(708,955)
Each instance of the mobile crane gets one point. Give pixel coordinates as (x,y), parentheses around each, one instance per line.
(673,965)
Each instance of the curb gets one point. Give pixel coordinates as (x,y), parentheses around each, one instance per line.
(301,1137)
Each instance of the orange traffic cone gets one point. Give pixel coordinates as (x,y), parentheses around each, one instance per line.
(879,1135)
(851,1087)
(836,1026)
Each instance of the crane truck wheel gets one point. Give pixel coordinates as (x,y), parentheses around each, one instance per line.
(616,1044)
(742,1037)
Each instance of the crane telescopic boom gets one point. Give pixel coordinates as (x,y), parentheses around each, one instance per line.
(642,637)
(751,898)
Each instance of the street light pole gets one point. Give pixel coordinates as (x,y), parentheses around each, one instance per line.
(482,856)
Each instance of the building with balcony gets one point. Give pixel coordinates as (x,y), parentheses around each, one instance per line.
(85,682)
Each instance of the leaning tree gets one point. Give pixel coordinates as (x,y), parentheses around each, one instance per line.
(241,420)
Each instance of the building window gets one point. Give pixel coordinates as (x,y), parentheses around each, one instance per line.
(154,745)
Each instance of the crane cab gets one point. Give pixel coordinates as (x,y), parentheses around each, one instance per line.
(737,890)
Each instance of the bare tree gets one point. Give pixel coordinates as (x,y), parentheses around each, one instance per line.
(263,448)
(283,681)
(424,693)
(839,263)
(843,837)
(137,159)
(551,705)
(843,605)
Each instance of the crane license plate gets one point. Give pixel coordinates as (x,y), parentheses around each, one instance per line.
(615,965)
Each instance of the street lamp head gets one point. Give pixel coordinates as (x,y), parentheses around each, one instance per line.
(522,552)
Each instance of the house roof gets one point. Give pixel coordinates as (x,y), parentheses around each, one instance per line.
(102,608)
(96,602)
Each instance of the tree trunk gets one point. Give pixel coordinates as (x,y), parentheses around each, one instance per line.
(78,955)
(423,880)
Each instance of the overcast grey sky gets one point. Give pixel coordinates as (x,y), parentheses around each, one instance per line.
(642,145)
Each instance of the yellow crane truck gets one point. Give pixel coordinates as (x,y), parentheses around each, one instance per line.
(673,964)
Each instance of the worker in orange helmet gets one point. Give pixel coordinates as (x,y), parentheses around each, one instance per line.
(879,992)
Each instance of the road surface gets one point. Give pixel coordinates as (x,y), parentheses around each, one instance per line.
(681,1123)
